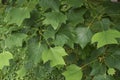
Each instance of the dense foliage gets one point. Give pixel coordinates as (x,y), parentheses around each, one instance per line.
(59,40)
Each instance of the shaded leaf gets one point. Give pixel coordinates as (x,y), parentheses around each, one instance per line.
(35,49)
(113,59)
(15,40)
(74,3)
(76,17)
(98,68)
(84,36)
(53,4)
(103,77)
(61,39)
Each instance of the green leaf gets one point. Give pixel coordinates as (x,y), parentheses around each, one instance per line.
(61,39)
(84,36)
(55,55)
(111,71)
(74,3)
(35,50)
(103,77)
(17,15)
(15,40)
(106,37)
(53,4)
(100,69)
(113,59)
(4,58)
(73,73)
(49,33)
(101,24)
(76,17)
(21,72)
(55,19)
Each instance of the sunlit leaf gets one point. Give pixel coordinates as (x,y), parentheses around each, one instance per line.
(106,37)
(4,59)
(55,55)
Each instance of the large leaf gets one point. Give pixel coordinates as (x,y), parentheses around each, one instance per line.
(17,15)
(15,40)
(73,73)
(4,58)
(106,37)
(55,19)
(35,49)
(55,55)
(84,36)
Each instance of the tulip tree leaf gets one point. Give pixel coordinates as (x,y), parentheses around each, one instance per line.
(4,58)
(73,73)
(84,36)
(17,15)
(55,55)
(106,37)
(55,19)
(15,40)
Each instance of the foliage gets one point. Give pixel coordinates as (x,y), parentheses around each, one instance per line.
(59,40)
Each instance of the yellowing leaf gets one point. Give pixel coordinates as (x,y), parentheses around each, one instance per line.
(4,59)
(73,73)
(55,19)
(17,15)
(54,55)
(106,37)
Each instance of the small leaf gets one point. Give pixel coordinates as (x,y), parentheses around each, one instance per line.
(111,71)
(106,37)
(54,55)
(55,19)
(73,73)
(4,59)
(21,72)
(84,36)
